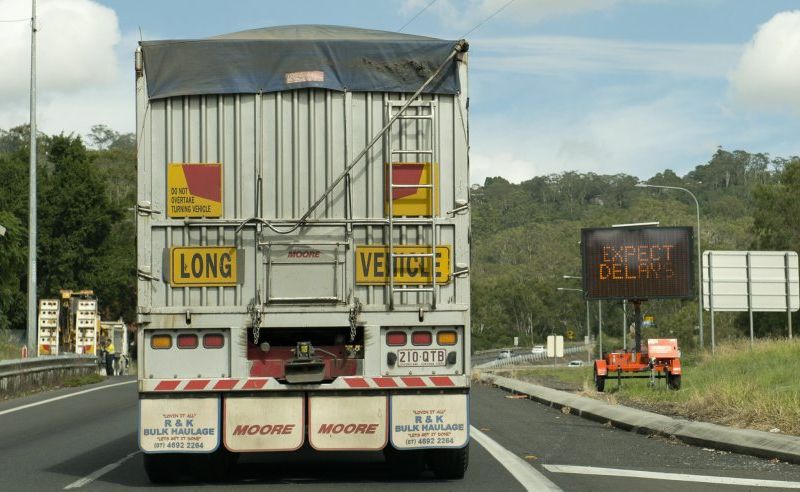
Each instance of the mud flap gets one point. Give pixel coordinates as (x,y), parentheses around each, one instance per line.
(179,425)
(429,421)
(264,423)
(348,423)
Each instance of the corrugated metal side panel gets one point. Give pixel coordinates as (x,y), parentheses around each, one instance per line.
(297,142)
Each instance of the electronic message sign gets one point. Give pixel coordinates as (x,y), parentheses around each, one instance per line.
(637,263)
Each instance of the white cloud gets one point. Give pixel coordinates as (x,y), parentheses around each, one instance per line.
(768,74)
(639,139)
(556,55)
(79,75)
(459,14)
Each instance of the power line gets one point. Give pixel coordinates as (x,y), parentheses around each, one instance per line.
(484,21)
(16,20)
(417,15)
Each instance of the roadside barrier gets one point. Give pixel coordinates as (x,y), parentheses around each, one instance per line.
(19,375)
(525,358)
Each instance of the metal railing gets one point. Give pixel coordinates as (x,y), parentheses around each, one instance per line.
(526,358)
(18,367)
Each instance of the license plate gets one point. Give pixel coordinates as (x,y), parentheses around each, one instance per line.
(421,357)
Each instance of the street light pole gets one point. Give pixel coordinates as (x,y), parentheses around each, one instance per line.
(588,316)
(588,334)
(31,341)
(699,254)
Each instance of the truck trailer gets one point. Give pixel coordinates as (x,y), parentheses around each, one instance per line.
(303,248)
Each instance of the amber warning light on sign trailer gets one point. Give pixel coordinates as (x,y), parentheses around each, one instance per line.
(637,263)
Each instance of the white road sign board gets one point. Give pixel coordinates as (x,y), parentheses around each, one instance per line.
(555,346)
(756,280)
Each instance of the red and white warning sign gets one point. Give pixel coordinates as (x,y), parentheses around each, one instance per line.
(264,423)
(185,425)
(429,421)
(339,423)
(194,190)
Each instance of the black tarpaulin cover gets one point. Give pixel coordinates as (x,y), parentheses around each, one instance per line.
(295,57)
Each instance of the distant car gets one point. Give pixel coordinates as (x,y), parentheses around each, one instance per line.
(575,363)
(504,354)
(538,349)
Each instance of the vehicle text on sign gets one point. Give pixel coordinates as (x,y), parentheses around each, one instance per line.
(194,190)
(203,266)
(637,263)
(372,265)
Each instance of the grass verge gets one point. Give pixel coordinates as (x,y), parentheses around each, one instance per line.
(756,388)
(76,381)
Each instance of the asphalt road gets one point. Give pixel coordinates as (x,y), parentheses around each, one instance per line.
(88,441)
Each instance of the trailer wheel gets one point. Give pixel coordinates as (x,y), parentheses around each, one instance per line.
(449,464)
(161,468)
(404,464)
(216,466)
(599,381)
(673,381)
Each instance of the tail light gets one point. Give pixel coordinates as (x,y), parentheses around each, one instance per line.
(421,338)
(213,340)
(395,338)
(446,338)
(187,341)
(161,341)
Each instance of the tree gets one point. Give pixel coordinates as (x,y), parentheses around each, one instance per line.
(102,137)
(13,265)
(75,219)
(777,209)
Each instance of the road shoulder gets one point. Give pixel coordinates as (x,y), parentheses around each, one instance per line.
(752,442)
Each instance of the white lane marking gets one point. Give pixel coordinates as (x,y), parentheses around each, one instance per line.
(525,474)
(679,477)
(36,404)
(99,473)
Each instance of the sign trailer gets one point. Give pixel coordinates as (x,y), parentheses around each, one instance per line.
(637,264)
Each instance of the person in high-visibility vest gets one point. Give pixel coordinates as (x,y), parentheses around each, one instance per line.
(110,354)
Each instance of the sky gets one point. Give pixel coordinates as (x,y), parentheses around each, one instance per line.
(603,86)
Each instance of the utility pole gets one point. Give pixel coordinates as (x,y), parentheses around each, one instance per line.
(699,255)
(32,198)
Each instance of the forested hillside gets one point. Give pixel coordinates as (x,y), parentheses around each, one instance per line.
(525,236)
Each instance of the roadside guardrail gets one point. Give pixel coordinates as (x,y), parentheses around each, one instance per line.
(21,374)
(526,358)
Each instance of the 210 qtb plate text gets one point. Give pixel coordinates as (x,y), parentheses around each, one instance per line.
(421,357)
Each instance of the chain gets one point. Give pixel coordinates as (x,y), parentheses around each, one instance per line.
(355,311)
(254,308)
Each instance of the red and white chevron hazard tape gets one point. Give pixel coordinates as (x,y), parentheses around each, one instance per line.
(271,384)
(401,382)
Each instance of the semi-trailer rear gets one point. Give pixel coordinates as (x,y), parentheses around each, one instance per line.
(303,247)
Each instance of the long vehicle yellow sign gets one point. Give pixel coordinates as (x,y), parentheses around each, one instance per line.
(372,265)
(211,266)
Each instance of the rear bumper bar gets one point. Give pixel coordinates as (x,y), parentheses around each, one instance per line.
(272,384)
